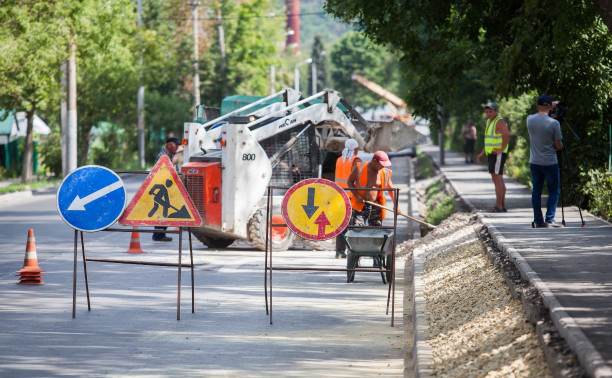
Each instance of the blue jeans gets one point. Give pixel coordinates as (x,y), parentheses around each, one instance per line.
(539,173)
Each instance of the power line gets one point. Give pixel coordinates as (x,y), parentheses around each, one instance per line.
(273,15)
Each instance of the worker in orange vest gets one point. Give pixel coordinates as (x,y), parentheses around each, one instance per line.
(344,167)
(370,175)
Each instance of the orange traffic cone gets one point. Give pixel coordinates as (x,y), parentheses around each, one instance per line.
(135,243)
(30,273)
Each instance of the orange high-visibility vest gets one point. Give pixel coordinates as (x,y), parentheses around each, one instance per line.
(362,180)
(343,170)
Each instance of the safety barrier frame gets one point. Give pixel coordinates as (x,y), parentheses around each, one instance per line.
(268,267)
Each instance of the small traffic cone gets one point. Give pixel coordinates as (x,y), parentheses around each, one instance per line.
(30,273)
(135,243)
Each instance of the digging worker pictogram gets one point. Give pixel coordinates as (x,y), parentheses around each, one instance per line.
(160,193)
(160,198)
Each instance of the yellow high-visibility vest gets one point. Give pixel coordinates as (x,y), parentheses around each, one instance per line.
(493,140)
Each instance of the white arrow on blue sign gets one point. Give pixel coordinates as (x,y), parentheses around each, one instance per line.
(91,198)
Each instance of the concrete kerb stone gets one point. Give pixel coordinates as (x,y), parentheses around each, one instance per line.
(423,355)
(15,197)
(589,357)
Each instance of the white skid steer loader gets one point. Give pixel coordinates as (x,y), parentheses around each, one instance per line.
(231,160)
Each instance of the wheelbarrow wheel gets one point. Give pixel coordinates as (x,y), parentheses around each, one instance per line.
(388,265)
(351,263)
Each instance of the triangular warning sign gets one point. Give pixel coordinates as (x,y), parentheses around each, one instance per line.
(161,201)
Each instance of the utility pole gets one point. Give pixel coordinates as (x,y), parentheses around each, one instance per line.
(272,79)
(71,111)
(441,134)
(314,77)
(63,119)
(196,56)
(222,50)
(140,103)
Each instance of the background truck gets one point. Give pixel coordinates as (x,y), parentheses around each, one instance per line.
(277,140)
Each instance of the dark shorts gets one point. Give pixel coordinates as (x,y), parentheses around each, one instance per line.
(496,163)
(369,214)
(468,147)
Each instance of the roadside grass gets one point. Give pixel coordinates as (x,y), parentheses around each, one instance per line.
(438,203)
(35,184)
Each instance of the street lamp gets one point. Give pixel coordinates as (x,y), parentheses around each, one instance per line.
(296,73)
(314,72)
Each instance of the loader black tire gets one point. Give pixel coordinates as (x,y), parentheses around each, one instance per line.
(211,241)
(282,237)
(322,245)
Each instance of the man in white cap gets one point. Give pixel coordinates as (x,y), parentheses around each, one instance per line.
(344,167)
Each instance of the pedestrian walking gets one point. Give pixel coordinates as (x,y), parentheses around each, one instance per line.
(469,139)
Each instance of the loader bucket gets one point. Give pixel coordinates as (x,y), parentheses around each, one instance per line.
(391,136)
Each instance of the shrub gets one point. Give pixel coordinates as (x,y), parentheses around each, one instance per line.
(439,204)
(599,190)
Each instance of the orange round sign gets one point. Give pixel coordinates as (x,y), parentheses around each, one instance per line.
(316,209)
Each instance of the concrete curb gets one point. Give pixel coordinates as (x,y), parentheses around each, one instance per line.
(423,356)
(15,197)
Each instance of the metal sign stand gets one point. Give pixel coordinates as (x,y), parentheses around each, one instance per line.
(180,265)
(268,267)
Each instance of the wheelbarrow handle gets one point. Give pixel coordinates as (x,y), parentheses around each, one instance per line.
(406,216)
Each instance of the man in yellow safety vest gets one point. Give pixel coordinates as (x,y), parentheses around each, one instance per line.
(496,141)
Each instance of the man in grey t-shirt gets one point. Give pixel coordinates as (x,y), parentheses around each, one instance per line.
(545,138)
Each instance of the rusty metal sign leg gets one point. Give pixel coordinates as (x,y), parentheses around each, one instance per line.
(192,278)
(85,271)
(266,254)
(74,278)
(178,291)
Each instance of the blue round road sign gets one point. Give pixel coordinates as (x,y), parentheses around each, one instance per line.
(91,198)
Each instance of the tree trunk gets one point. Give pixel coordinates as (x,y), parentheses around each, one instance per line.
(604,7)
(26,171)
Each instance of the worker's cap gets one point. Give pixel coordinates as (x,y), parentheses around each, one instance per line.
(382,158)
(544,100)
(491,105)
(351,144)
(174,140)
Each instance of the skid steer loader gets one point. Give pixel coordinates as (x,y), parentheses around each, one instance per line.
(231,160)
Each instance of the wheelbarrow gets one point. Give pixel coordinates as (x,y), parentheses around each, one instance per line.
(369,242)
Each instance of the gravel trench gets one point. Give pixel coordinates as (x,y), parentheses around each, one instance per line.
(476,327)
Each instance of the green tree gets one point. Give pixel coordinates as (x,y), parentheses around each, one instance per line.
(30,56)
(319,58)
(251,46)
(505,48)
(354,53)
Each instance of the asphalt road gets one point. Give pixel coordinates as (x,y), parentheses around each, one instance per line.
(322,326)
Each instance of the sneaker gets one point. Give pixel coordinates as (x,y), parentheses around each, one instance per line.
(163,239)
(554,224)
(497,210)
(340,255)
(542,225)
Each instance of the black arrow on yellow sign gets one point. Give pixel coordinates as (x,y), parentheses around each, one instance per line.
(310,207)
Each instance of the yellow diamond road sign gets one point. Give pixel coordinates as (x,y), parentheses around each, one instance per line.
(316,209)
(161,201)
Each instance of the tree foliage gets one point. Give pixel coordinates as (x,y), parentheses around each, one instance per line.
(353,54)
(499,49)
